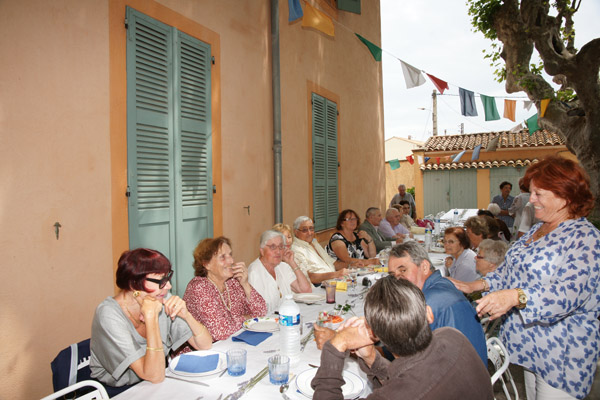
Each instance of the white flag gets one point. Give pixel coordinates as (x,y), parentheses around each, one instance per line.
(517,128)
(527,104)
(412,75)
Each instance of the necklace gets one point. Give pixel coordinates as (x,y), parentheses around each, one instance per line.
(226,304)
(136,321)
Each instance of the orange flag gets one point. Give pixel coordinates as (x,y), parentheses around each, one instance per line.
(314,18)
(543,105)
(509,109)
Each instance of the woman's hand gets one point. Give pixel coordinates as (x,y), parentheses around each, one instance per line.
(175,306)
(340,273)
(240,272)
(497,303)
(150,307)
(465,287)
(288,256)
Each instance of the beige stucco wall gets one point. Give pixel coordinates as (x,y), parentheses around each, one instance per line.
(62,121)
(404,175)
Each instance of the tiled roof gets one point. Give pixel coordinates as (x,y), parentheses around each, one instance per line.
(507,140)
(478,164)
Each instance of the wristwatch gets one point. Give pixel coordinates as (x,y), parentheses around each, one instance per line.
(522,299)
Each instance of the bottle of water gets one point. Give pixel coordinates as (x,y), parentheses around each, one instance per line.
(289,328)
(455,218)
(427,239)
(437,226)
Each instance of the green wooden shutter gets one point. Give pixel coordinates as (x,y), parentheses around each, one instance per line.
(325,164)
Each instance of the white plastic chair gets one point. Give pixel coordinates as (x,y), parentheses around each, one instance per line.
(98,393)
(490,327)
(498,355)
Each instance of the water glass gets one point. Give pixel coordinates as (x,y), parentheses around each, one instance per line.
(330,288)
(236,362)
(353,272)
(279,369)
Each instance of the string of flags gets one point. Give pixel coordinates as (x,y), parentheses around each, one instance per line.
(313,18)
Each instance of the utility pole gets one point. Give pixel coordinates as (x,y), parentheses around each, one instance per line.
(434,112)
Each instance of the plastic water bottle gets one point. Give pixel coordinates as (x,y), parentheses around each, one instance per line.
(437,226)
(455,218)
(289,328)
(427,239)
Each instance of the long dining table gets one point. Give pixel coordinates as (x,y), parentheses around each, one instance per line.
(257,357)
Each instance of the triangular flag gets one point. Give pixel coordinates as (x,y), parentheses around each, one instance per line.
(493,144)
(509,109)
(458,156)
(532,124)
(437,160)
(543,106)
(295,10)
(489,108)
(314,18)
(438,83)
(527,104)
(517,129)
(410,159)
(374,49)
(476,151)
(427,159)
(467,103)
(419,160)
(394,164)
(448,158)
(412,75)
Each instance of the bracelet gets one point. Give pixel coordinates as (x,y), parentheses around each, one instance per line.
(486,287)
(154,348)
(295,269)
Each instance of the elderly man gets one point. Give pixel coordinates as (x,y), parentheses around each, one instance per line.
(450,307)
(311,257)
(371,224)
(404,195)
(426,365)
(391,226)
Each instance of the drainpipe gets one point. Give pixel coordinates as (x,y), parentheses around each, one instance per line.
(276,110)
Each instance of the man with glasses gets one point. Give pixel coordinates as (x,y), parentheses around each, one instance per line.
(371,224)
(311,257)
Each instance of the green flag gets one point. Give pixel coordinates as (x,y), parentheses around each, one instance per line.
(532,124)
(375,51)
(394,164)
(489,106)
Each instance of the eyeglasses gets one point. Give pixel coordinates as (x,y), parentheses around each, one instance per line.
(163,281)
(350,219)
(274,247)
(479,257)
(450,241)
(307,229)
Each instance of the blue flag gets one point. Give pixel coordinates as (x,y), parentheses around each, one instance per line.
(458,156)
(467,103)
(295,10)
(427,159)
(476,150)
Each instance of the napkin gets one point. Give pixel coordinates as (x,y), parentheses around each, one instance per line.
(197,364)
(342,286)
(252,338)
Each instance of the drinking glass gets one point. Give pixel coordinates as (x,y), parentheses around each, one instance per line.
(236,362)
(279,369)
(353,272)
(330,288)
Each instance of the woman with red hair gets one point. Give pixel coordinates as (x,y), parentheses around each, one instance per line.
(547,288)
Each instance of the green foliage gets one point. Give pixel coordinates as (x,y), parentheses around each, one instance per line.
(411,191)
(482,16)
(566,95)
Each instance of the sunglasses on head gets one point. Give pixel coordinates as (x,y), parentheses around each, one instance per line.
(163,281)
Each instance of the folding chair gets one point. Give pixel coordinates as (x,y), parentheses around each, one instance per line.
(498,355)
(98,392)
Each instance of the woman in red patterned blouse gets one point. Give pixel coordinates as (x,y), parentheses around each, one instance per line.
(220,296)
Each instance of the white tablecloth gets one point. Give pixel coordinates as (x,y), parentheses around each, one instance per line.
(256,361)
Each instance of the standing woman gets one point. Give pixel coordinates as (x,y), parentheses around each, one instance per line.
(348,245)
(134,331)
(548,286)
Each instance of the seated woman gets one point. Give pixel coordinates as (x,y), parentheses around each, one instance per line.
(220,296)
(406,220)
(348,246)
(456,245)
(310,256)
(287,233)
(275,274)
(490,256)
(134,331)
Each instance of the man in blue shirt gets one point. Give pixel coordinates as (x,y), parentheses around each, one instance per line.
(450,307)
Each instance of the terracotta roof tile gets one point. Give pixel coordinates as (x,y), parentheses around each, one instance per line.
(433,166)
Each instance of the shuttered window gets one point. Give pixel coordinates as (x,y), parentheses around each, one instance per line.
(325,162)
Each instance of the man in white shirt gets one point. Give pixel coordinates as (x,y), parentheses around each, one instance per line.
(391,226)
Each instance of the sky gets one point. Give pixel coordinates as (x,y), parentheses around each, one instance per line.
(436,36)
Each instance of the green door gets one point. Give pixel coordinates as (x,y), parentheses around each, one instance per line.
(168,142)
(448,189)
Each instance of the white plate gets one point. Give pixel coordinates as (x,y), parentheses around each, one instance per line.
(353,387)
(262,324)
(309,298)
(221,364)
(437,250)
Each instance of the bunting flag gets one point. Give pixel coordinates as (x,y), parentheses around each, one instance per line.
(437,160)
(419,160)
(532,124)
(476,151)
(489,108)
(509,109)
(295,10)
(458,156)
(516,129)
(410,159)
(412,75)
(427,159)
(467,103)
(543,106)
(438,83)
(394,164)
(314,18)
(349,5)
(493,144)
(374,49)
(527,104)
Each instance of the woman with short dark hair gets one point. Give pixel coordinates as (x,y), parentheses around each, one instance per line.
(456,244)
(134,331)
(348,245)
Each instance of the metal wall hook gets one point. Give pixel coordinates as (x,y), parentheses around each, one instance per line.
(57,227)
(248,208)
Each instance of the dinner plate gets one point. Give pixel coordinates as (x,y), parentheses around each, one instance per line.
(221,364)
(309,298)
(352,388)
(437,250)
(262,324)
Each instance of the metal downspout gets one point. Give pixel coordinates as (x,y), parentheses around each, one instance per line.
(276,110)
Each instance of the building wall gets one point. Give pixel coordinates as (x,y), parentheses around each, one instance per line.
(403,175)
(63,159)
(400,148)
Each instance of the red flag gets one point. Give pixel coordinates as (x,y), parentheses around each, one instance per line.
(438,83)
(437,160)
(410,159)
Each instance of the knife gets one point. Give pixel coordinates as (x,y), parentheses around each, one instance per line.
(186,380)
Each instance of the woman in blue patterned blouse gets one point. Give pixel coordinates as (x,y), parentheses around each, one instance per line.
(547,286)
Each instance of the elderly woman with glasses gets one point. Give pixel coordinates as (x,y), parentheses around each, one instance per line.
(274,274)
(456,244)
(311,257)
(220,295)
(349,246)
(135,330)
